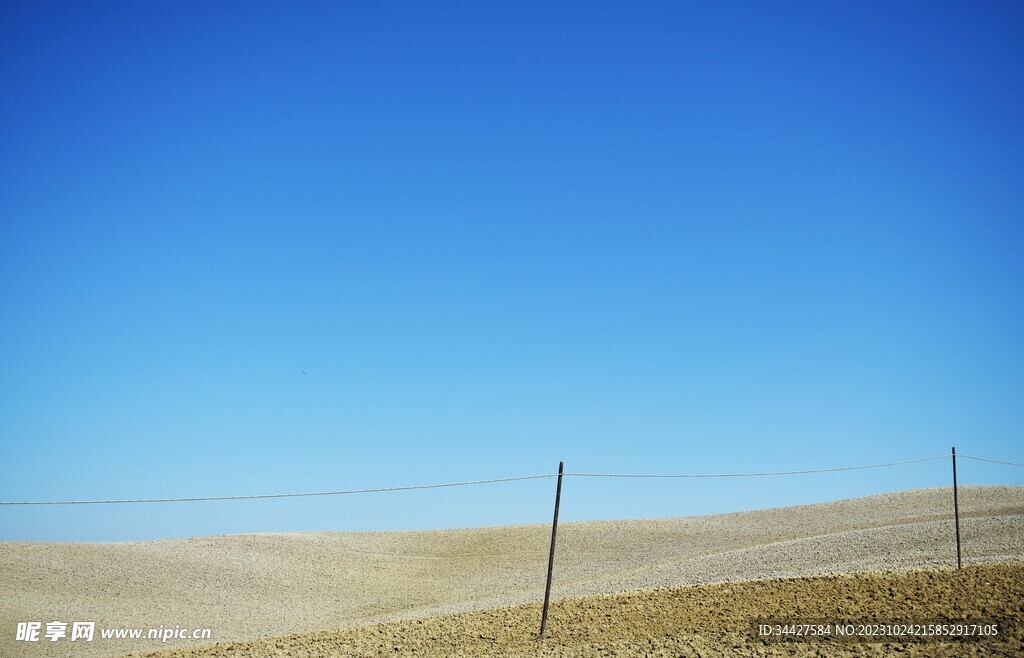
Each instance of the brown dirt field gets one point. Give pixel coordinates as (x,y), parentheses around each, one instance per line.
(248,587)
(701,620)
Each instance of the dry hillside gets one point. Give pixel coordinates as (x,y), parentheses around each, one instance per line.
(250,586)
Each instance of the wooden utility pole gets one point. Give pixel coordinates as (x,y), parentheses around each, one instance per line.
(956,511)
(551,555)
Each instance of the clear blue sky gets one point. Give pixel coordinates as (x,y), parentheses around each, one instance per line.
(271,247)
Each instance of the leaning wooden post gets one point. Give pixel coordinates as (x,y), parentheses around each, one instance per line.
(956,511)
(551,555)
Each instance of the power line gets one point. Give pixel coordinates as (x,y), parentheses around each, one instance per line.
(282,495)
(991,461)
(748,475)
(491,481)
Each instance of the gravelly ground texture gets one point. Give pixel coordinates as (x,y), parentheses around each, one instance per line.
(703,620)
(251,586)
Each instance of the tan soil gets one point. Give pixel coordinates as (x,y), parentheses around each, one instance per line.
(245,587)
(702,620)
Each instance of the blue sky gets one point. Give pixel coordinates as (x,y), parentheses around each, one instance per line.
(271,247)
